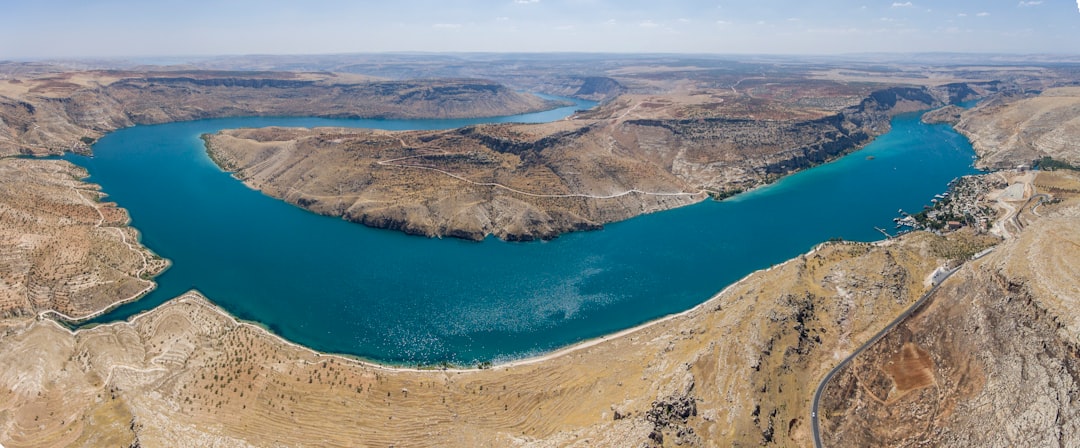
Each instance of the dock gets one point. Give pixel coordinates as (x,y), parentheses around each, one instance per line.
(883,232)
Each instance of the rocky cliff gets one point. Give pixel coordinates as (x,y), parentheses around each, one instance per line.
(67,111)
(1013,130)
(945,115)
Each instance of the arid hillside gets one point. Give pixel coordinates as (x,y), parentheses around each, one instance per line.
(1014,130)
(61,247)
(543,180)
(993,360)
(51,112)
(998,342)
(635,154)
(732,371)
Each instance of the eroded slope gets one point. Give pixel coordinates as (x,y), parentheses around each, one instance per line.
(52,112)
(61,247)
(518,182)
(1011,131)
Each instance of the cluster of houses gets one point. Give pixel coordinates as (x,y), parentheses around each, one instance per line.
(961,206)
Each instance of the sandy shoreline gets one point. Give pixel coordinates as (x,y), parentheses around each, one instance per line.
(200,299)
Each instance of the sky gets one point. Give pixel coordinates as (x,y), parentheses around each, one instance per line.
(43,29)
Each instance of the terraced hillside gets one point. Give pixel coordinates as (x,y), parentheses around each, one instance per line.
(62,247)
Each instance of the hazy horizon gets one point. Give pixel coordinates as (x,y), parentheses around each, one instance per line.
(124,29)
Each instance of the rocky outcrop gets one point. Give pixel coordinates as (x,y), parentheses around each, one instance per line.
(670,416)
(948,115)
(599,88)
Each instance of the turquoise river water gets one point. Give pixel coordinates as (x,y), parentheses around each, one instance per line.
(345,288)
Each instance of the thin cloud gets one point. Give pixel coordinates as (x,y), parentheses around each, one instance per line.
(648,24)
(446,26)
(835,31)
(983,14)
(526,2)
(1024,4)
(905,5)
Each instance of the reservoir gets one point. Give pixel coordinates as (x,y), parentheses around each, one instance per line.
(345,288)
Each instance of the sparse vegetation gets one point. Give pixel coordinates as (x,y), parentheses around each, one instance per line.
(721,195)
(1049,164)
(733,372)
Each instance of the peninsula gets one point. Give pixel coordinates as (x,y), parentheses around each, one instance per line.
(634,154)
(989,359)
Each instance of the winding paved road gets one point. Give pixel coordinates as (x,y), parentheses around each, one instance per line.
(814,424)
(1043,198)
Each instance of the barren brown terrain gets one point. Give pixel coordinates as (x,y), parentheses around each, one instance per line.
(48,112)
(731,371)
(62,247)
(1015,130)
(993,360)
(452,183)
(634,154)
